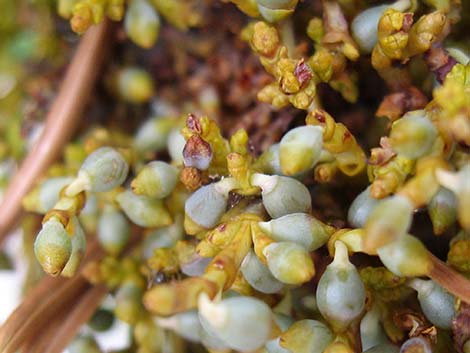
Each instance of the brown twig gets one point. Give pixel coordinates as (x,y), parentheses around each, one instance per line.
(60,122)
(452,281)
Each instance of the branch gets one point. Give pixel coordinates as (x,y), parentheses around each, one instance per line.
(61,122)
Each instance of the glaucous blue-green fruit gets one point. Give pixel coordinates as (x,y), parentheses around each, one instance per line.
(78,249)
(413,135)
(282,195)
(142,23)
(212,342)
(103,170)
(129,306)
(53,247)
(437,304)
(175,146)
(283,322)
(364,25)
(208,203)
(300,149)
(84,344)
(89,214)
(165,237)
(299,228)
(273,346)
(157,179)
(389,220)
(134,85)
(406,257)
(416,344)
(459,183)
(113,230)
(372,333)
(384,348)
(306,336)
(185,324)
(442,210)
(269,160)
(276,10)
(289,262)
(144,211)
(258,275)
(340,277)
(242,323)
(361,208)
(45,195)
(153,134)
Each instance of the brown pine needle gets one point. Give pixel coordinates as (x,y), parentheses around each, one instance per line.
(60,122)
(80,314)
(46,286)
(39,342)
(45,302)
(452,281)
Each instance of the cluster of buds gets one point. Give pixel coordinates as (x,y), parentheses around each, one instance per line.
(141,17)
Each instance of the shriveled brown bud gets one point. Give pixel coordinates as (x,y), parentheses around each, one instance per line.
(197,153)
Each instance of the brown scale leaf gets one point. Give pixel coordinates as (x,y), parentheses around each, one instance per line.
(394,105)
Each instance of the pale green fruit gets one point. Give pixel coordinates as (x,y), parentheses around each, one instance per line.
(142,23)
(341,277)
(103,170)
(144,211)
(361,208)
(129,306)
(258,275)
(306,336)
(413,135)
(437,304)
(300,149)
(113,230)
(299,228)
(282,195)
(442,210)
(389,220)
(78,249)
(45,195)
(364,25)
(134,85)
(152,135)
(175,146)
(276,10)
(208,203)
(157,179)
(406,257)
(53,247)
(242,323)
(372,333)
(185,324)
(289,263)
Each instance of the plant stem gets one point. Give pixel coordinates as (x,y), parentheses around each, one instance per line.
(61,122)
